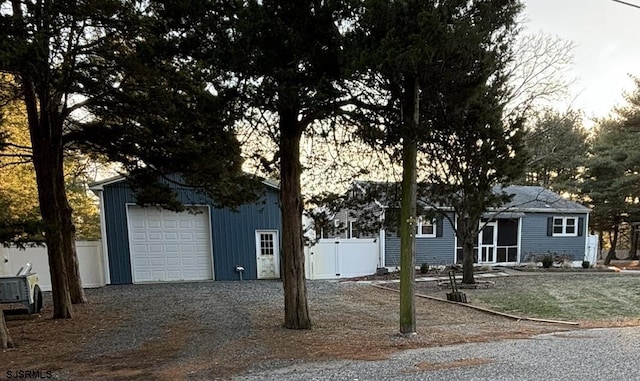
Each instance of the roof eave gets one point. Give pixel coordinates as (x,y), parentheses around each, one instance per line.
(99,185)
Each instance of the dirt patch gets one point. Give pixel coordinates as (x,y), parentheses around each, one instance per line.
(351,321)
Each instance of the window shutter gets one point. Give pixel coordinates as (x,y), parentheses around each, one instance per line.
(580,226)
(550,226)
(439,222)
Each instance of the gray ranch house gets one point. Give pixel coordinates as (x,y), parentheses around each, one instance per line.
(535,222)
(152,244)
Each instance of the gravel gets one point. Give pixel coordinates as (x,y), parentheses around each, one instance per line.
(222,312)
(597,354)
(217,330)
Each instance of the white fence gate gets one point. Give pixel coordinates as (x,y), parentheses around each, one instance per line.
(89,259)
(342,258)
(592,249)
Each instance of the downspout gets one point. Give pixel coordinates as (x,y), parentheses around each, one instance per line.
(455,238)
(382,257)
(383,238)
(519,257)
(586,242)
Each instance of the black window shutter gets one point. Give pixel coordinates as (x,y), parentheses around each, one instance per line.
(439,222)
(550,226)
(580,226)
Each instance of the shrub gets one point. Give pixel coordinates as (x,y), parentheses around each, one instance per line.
(586,264)
(567,264)
(424,268)
(485,268)
(547,261)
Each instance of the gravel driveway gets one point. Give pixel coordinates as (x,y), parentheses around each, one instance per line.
(218,330)
(597,354)
(216,312)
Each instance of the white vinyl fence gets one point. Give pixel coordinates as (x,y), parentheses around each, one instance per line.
(89,258)
(342,258)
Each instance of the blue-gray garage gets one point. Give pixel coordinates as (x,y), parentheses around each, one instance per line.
(152,244)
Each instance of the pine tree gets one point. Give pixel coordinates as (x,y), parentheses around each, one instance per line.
(111,78)
(427,62)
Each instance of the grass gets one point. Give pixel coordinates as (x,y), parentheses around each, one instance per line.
(567,296)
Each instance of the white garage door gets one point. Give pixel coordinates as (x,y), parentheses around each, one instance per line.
(169,246)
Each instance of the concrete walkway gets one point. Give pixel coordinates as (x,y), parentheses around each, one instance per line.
(442,277)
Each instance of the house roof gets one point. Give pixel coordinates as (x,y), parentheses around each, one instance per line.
(99,185)
(539,199)
(526,198)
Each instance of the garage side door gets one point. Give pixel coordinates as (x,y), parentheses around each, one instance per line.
(169,246)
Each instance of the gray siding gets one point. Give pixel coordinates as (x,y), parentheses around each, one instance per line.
(536,241)
(432,250)
(233,233)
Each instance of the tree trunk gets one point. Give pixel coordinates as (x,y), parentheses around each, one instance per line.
(633,249)
(408,215)
(5,339)
(76,292)
(467,261)
(469,237)
(45,121)
(296,312)
(614,242)
(46,141)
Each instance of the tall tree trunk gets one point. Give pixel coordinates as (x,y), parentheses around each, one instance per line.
(408,214)
(48,164)
(76,292)
(469,237)
(614,242)
(45,121)
(633,249)
(296,312)
(5,339)
(407,239)
(467,261)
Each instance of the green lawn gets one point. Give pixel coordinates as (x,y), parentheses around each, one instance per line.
(562,296)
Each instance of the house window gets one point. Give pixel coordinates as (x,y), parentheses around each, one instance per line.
(353,230)
(565,226)
(266,244)
(322,233)
(425,227)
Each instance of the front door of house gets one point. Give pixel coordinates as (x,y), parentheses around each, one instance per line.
(488,240)
(267,254)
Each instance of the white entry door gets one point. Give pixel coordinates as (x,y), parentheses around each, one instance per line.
(267,254)
(488,242)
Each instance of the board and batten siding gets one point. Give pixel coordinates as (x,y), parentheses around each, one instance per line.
(535,240)
(431,250)
(232,233)
(234,240)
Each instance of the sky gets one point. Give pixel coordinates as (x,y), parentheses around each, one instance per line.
(607,47)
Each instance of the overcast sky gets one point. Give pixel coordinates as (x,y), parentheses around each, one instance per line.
(607,39)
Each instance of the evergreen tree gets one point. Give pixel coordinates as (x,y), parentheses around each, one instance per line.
(287,55)
(110,77)
(19,181)
(468,167)
(557,144)
(428,62)
(611,181)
